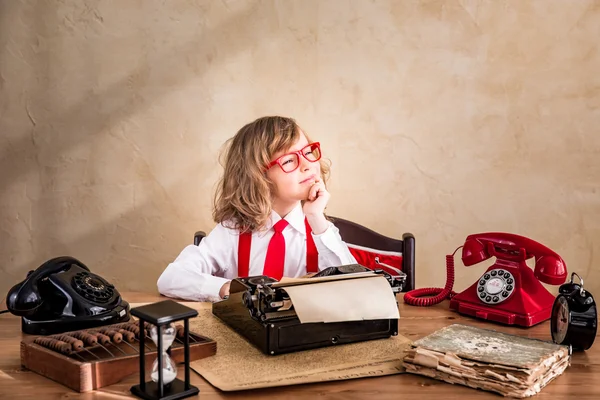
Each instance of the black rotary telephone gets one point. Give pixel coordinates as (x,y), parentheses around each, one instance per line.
(63,295)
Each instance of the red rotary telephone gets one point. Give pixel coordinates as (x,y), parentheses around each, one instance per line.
(509,291)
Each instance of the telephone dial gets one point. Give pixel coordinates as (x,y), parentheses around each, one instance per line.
(509,292)
(63,295)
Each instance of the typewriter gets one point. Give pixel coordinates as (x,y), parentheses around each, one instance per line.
(263,313)
(396,281)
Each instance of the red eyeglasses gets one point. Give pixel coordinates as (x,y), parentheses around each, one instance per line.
(291,161)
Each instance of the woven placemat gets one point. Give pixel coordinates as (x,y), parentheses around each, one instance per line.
(238,365)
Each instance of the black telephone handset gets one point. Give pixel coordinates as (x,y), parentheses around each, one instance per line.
(63,295)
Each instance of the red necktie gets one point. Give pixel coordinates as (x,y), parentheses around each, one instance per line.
(276,252)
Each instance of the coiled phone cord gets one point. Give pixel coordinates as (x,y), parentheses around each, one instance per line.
(416,297)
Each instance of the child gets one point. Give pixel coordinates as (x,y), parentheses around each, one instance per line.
(269,207)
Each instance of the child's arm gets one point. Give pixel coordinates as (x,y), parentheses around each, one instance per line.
(199,272)
(333,251)
(314,207)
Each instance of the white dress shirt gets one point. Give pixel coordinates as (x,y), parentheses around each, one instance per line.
(199,272)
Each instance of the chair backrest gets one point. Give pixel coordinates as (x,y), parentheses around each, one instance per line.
(368,246)
(198,236)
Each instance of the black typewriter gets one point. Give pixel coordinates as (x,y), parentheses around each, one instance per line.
(396,281)
(265,315)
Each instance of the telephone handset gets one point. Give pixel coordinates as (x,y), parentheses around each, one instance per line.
(63,295)
(509,292)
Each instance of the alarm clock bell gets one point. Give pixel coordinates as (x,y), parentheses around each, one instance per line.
(574,318)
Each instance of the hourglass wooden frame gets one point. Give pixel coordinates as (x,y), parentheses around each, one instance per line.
(161,314)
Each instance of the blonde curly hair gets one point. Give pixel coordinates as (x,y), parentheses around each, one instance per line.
(243,199)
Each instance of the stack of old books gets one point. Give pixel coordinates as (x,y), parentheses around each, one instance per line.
(511,365)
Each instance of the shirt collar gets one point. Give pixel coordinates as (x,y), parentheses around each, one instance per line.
(295,218)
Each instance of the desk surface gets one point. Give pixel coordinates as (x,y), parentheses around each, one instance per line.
(581,380)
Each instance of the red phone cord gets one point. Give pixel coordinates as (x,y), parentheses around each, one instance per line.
(413,297)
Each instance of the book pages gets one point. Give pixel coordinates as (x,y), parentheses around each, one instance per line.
(510,365)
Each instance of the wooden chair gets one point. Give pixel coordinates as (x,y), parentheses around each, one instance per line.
(360,238)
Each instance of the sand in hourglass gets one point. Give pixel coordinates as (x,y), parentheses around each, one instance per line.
(169,369)
(168,376)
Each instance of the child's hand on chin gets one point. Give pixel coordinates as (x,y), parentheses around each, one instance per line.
(317,199)
(314,207)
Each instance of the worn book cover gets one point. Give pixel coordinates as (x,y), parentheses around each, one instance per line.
(511,365)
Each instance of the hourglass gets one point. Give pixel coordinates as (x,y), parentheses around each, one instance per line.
(164,384)
(168,367)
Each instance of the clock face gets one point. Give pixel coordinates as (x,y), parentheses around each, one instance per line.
(560,319)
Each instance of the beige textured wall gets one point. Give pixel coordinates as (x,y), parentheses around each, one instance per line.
(442,118)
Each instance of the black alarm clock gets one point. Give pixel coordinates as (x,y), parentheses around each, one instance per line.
(574,320)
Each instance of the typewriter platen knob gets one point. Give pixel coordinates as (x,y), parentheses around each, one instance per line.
(247,299)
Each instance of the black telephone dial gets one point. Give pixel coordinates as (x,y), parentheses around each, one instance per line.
(63,295)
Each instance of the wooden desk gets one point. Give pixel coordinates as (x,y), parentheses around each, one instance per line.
(581,380)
